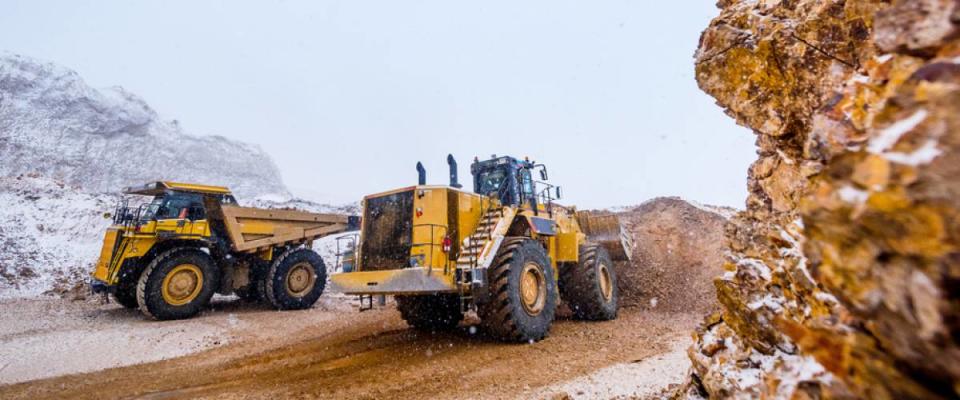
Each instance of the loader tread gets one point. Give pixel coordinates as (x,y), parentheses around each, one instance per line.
(580,286)
(502,315)
(431,313)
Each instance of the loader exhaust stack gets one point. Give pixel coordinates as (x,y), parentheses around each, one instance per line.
(421,174)
(453,172)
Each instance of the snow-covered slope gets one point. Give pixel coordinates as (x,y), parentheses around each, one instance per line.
(54,125)
(67,149)
(50,233)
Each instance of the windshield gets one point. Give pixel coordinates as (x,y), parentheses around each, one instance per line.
(174,206)
(150,209)
(491,180)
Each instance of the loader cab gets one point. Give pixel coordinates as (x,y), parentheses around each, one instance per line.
(506,178)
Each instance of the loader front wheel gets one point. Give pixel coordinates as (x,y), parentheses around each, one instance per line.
(433,313)
(590,287)
(177,284)
(295,280)
(522,293)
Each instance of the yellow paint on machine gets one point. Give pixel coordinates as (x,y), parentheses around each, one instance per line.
(102,269)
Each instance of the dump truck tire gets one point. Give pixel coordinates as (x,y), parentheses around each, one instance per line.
(590,287)
(254,291)
(432,313)
(177,284)
(126,296)
(522,293)
(295,280)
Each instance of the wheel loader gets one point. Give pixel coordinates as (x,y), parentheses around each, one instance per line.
(169,256)
(506,250)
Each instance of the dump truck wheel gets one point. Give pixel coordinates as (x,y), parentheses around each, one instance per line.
(254,291)
(440,312)
(177,284)
(126,293)
(522,292)
(126,296)
(590,288)
(295,280)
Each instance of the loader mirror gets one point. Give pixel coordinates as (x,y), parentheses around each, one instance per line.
(543,173)
(107,215)
(559,193)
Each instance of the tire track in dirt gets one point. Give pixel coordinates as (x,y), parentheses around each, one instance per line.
(374,355)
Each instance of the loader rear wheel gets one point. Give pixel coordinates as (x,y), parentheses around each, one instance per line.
(295,280)
(439,312)
(522,293)
(590,287)
(177,284)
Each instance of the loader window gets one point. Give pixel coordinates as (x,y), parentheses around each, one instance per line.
(489,181)
(526,184)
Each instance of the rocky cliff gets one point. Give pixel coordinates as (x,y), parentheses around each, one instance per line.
(843,275)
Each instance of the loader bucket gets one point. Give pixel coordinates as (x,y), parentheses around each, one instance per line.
(605,230)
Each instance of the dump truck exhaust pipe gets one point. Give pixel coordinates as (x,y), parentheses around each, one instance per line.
(421,174)
(453,172)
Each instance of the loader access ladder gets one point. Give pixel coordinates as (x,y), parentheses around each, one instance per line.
(478,250)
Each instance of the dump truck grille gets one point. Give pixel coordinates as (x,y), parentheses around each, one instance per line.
(387,232)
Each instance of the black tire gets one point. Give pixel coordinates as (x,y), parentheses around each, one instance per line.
(504,314)
(282,284)
(432,313)
(253,291)
(126,296)
(248,293)
(126,293)
(150,285)
(584,288)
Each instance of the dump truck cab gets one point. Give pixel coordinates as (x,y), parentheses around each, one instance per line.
(441,250)
(168,255)
(175,212)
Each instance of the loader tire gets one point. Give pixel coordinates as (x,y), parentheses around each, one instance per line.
(177,284)
(522,293)
(295,280)
(432,313)
(590,287)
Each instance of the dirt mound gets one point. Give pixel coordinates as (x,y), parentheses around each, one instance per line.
(678,250)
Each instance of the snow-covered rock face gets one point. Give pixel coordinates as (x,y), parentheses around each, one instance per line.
(66,151)
(52,124)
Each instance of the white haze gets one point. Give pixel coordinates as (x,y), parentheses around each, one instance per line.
(347,96)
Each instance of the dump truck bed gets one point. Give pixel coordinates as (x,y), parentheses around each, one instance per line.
(251,229)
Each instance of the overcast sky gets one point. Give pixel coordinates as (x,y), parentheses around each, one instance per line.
(348,95)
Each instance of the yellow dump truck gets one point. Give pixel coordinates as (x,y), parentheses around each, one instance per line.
(507,251)
(168,256)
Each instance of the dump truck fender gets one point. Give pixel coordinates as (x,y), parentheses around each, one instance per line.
(165,245)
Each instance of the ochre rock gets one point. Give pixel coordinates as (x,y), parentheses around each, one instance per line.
(843,275)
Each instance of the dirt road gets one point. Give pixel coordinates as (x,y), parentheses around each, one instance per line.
(345,354)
